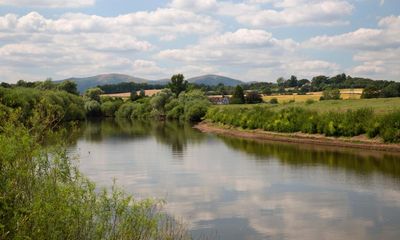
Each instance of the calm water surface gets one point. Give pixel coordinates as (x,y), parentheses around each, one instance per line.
(228,188)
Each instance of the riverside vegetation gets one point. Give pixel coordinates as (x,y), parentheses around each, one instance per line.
(42,193)
(299,119)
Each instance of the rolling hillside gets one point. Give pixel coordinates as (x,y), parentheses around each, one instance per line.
(88,82)
(213,80)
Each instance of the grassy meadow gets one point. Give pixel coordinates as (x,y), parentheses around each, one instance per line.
(378,105)
(344,93)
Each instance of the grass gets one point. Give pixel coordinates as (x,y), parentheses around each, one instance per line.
(345,94)
(378,105)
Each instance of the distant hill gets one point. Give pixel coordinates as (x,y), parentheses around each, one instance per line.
(213,80)
(164,81)
(113,78)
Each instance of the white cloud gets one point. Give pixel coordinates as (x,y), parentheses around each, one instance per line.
(48,3)
(77,43)
(194,4)
(298,13)
(252,55)
(281,13)
(364,38)
(376,50)
(138,23)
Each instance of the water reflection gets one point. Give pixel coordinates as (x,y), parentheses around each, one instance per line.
(360,161)
(231,188)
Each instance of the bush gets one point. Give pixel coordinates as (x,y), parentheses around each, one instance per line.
(330,94)
(253,97)
(109,108)
(93,108)
(389,128)
(350,123)
(44,196)
(273,101)
(125,110)
(310,101)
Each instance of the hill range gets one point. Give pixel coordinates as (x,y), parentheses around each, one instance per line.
(114,78)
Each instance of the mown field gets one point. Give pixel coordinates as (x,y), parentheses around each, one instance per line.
(148,93)
(344,94)
(378,105)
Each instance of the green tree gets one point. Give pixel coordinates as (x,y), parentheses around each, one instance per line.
(68,86)
(238,96)
(93,108)
(331,94)
(280,81)
(159,101)
(371,91)
(391,90)
(292,82)
(93,94)
(134,96)
(178,84)
(142,93)
(253,97)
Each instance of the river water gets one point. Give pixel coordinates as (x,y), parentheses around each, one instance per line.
(229,188)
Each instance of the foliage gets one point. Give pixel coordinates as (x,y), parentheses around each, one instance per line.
(44,196)
(125,110)
(110,106)
(371,91)
(253,97)
(178,84)
(273,101)
(238,96)
(128,87)
(68,86)
(295,119)
(159,101)
(391,90)
(92,108)
(27,100)
(331,94)
(93,94)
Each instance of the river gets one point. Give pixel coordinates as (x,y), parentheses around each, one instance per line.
(228,188)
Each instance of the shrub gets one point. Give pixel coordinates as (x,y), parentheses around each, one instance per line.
(273,101)
(253,97)
(44,196)
(109,108)
(310,101)
(125,110)
(389,128)
(92,108)
(331,94)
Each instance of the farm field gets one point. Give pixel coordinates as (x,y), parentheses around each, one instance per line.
(379,105)
(345,94)
(128,94)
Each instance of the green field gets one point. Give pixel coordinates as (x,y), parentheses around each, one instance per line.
(379,105)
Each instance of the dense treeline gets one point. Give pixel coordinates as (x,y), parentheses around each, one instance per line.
(175,102)
(350,123)
(373,88)
(128,87)
(48,84)
(65,106)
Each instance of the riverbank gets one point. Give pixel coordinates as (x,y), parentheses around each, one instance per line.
(361,142)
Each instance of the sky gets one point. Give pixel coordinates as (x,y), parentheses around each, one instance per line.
(250,40)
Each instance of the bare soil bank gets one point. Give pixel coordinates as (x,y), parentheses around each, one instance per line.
(361,142)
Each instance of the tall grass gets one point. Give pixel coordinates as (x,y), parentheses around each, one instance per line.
(296,119)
